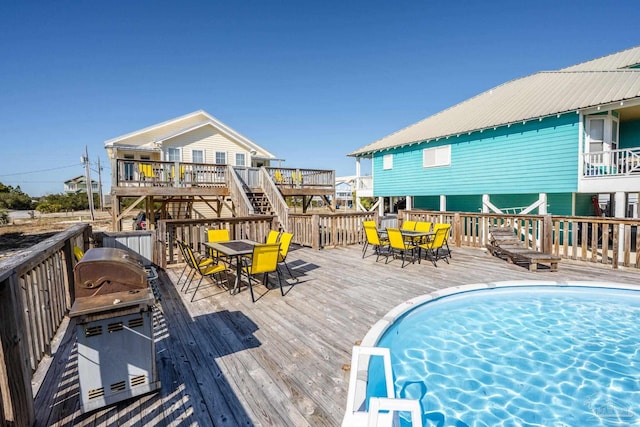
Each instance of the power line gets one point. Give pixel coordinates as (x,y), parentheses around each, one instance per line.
(41,170)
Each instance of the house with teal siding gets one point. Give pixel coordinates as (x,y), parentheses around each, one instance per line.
(545,143)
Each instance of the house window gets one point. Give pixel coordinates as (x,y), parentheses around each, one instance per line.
(438,156)
(602,134)
(173,154)
(595,132)
(221,157)
(197,156)
(128,168)
(387,161)
(240,161)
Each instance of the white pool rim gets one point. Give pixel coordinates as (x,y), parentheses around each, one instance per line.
(376,332)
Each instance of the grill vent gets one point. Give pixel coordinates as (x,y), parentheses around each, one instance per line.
(91,331)
(136,323)
(140,379)
(119,386)
(95,393)
(114,327)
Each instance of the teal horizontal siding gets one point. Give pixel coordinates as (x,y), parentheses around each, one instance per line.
(538,156)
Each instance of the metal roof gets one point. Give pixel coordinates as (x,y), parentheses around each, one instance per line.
(536,96)
(624,59)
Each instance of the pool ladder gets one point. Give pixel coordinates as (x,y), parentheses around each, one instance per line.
(383,411)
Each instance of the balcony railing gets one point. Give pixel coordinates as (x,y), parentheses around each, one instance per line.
(150,173)
(302,178)
(611,163)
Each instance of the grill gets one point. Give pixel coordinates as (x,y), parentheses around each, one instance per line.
(114,327)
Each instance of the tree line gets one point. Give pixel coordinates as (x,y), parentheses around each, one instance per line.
(13,198)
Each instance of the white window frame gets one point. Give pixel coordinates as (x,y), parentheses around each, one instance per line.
(244,159)
(193,152)
(176,150)
(224,155)
(436,157)
(387,161)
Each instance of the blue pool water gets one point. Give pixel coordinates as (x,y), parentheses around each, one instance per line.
(530,356)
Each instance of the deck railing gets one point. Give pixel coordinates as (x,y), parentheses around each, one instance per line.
(152,173)
(36,292)
(611,163)
(278,204)
(611,241)
(329,230)
(243,206)
(302,178)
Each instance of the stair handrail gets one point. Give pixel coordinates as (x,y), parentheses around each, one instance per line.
(274,196)
(238,195)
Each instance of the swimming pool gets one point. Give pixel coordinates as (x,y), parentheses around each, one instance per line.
(516,354)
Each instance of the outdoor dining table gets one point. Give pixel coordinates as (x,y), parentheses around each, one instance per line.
(234,249)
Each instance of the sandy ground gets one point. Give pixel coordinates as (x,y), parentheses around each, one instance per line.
(26,228)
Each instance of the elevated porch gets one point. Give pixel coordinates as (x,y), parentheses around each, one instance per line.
(225,190)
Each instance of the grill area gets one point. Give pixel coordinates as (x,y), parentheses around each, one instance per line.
(114,327)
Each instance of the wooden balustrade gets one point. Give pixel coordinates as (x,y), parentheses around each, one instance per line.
(36,292)
(613,241)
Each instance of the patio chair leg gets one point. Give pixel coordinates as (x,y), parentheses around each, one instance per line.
(280,281)
(198,286)
(290,272)
(364,249)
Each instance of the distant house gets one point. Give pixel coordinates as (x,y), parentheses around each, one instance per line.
(345,185)
(544,143)
(79,185)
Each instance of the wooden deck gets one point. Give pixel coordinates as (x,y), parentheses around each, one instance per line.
(225,361)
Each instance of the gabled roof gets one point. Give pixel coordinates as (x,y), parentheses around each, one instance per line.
(536,96)
(79,179)
(160,132)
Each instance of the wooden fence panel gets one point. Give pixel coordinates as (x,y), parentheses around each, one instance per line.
(35,294)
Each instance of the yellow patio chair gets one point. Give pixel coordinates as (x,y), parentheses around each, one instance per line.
(207,270)
(438,226)
(409,225)
(435,247)
(172,173)
(273,236)
(217,235)
(278,177)
(263,260)
(200,261)
(374,240)
(78,253)
(146,171)
(399,246)
(422,226)
(285,242)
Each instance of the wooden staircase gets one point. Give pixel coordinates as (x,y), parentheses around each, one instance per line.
(260,203)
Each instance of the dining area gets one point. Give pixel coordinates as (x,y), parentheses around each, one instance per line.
(236,263)
(410,242)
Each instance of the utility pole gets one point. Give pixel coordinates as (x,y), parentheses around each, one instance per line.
(101,199)
(85,160)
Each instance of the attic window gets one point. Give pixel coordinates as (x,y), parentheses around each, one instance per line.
(438,156)
(387,161)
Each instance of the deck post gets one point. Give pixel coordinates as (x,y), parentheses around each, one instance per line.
(15,379)
(315,231)
(546,233)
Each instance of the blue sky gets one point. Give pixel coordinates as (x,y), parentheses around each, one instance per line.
(308,80)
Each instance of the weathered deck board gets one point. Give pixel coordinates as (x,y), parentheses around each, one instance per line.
(224,360)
